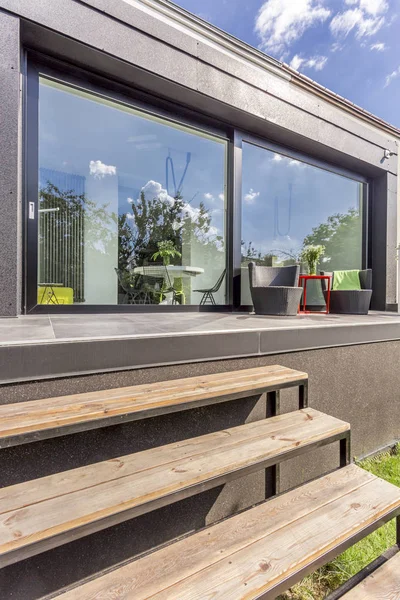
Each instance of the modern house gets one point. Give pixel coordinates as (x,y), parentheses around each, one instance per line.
(126,124)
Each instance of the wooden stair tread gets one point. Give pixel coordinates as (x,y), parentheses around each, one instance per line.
(382,584)
(47,512)
(40,419)
(260,552)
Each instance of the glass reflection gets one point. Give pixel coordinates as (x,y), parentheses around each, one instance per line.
(287,204)
(131,207)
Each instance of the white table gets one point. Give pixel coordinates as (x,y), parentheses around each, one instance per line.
(174,270)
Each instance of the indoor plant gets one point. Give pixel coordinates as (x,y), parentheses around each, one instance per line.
(166,251)
(311,255)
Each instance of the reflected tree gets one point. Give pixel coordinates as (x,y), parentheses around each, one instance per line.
(156,220)
(341,235)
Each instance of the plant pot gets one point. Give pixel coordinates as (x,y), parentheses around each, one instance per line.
(312,268)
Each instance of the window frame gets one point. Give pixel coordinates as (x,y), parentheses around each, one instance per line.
(39,66)
(36,65)
(242,137)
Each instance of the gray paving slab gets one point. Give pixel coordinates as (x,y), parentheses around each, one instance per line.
(49,328)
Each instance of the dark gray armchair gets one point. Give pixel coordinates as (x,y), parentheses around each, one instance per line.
(274,290)
(350,302)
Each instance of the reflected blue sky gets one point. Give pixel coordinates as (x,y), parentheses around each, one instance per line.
(94,140)
(284,199)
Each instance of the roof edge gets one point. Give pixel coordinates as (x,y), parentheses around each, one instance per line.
(262,60)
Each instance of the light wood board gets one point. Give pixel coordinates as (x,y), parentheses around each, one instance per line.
(249,556)
(47,512)
(382,584)
(40,419)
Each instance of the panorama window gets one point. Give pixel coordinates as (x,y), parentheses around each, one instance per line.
(132,207)
(288,204)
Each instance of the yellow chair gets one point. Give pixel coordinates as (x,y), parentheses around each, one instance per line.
(52,294)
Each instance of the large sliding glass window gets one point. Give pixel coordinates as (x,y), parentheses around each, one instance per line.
(132,207)
(287,204)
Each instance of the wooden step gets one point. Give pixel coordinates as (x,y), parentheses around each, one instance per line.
(40,419)
(45,513)
(260,552)
(382,584)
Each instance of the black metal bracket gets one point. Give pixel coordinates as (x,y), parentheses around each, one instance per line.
(274,409)
(303,395)
(345,450)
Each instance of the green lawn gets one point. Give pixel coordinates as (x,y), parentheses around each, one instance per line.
(317,586)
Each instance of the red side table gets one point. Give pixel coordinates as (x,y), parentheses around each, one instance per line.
(305,278)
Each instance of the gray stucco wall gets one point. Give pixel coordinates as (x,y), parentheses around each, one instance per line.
(359,384)
(10,234)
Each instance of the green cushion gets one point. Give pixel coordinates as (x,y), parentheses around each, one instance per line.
(346,280)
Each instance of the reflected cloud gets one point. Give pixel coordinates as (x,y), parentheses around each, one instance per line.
(154,189)
(251,196)
(100,170)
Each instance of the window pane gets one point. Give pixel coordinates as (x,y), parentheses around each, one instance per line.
(132,208)
(287,204)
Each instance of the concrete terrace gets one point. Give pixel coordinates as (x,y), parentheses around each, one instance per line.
(46,346)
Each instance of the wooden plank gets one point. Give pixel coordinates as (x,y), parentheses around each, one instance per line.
(47,512)
(382,584)
(255,554)
(39,419)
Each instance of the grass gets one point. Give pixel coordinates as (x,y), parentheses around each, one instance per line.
(328,578)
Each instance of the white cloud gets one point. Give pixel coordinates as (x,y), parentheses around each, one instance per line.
(221,197)
(394,75)
(251,196)
(374,7)
(277,158)
(336,47)
(208,196)
(379,47)
(154,189)
(130,216)
(280,23)
(100,170)
(314,62)
(366,18)
(130,200)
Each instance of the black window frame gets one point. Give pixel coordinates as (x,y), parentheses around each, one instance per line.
(41,66)
(36,65)
(242,137)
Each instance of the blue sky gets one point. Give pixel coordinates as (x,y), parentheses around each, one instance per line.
(350,46)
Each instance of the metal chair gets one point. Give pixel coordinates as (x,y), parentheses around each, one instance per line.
(208,293)
(350,302)
(134,293)
(157,283)
(274,290)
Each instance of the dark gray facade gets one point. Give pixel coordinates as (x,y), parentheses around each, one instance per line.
(158,48)
(358,384)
